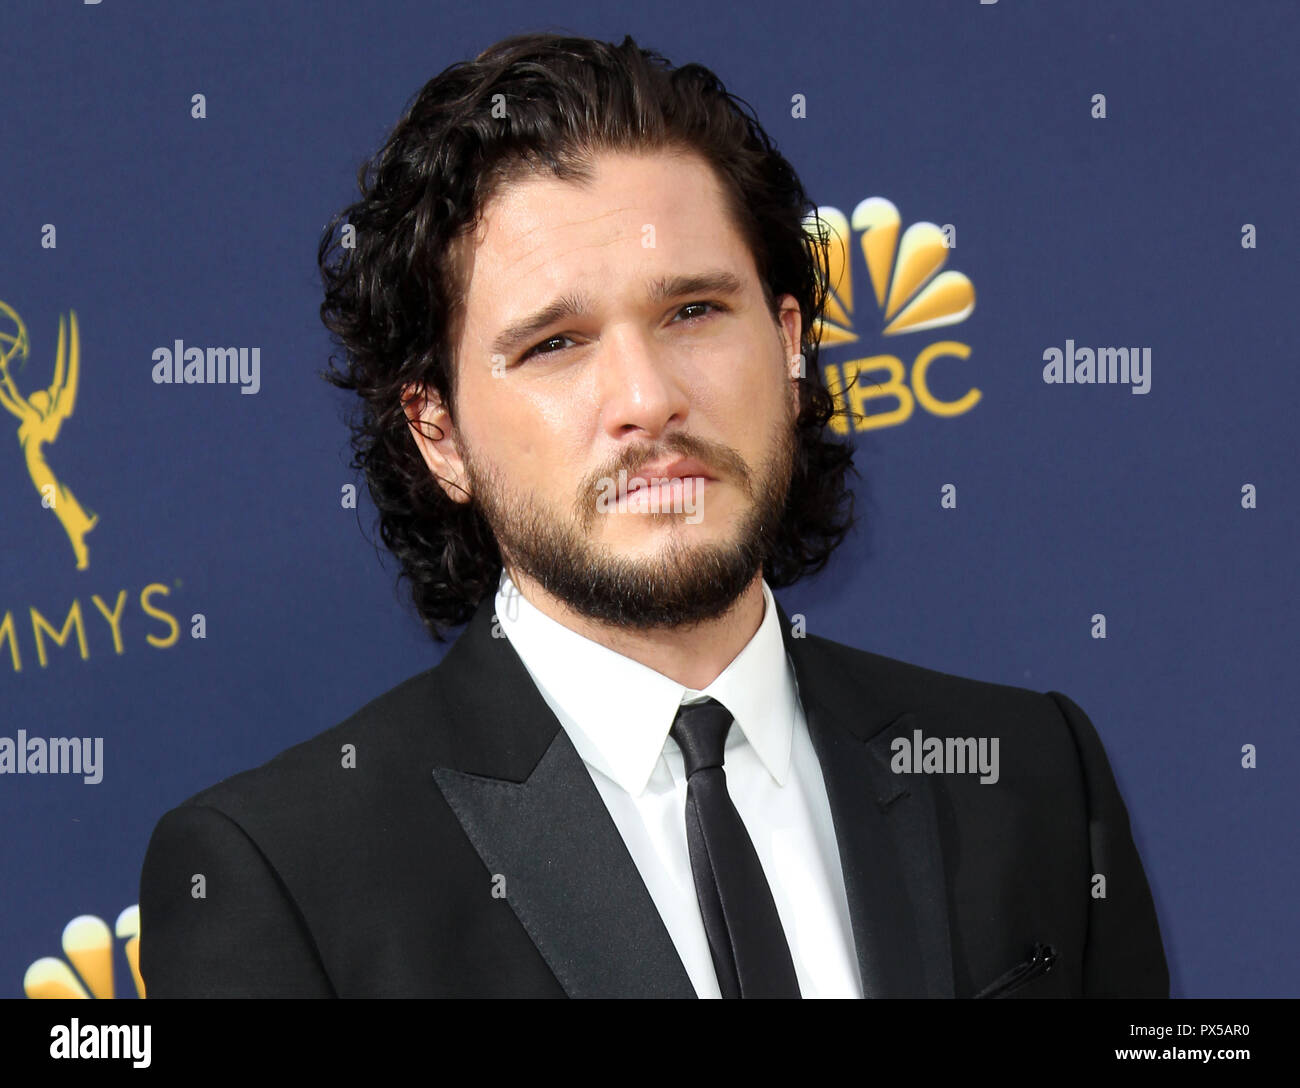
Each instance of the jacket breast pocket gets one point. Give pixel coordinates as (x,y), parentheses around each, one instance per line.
(1042,958)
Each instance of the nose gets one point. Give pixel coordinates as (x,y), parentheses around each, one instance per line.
(639,385)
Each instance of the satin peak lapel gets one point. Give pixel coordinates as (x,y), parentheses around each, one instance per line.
(885,826)
(529,807)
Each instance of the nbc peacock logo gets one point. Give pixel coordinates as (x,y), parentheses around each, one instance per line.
(913,293)
(88,969)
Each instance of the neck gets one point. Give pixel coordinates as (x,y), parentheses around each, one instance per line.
(692,656)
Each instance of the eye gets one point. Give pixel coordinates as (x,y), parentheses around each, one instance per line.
(715,307)
(536,349)
(539,348)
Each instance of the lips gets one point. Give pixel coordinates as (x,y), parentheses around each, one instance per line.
(681,469)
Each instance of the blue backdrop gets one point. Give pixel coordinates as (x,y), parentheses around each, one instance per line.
(1167,224)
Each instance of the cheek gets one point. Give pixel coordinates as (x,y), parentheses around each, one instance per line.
(549,421)
(538,439)
(756,386)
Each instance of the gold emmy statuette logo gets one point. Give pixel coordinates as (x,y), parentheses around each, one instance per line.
(88,945)
(913,294)
(40,416)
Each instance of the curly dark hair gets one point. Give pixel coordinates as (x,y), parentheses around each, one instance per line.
(394,293)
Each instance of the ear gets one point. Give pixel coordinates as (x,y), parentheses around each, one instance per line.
(435,438)
(790,320)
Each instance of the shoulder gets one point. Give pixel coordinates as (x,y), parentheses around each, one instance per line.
(900,686)
(1041,736)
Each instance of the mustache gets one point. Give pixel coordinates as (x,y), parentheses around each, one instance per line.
(722,461)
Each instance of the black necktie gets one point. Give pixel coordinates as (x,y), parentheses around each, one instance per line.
(750,953)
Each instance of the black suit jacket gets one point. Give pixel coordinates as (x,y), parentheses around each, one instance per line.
(468,853)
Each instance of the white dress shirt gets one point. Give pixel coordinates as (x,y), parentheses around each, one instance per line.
(617,712)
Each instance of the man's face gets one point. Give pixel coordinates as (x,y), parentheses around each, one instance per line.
(627,378)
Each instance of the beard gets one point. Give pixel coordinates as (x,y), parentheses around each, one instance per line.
(677,585)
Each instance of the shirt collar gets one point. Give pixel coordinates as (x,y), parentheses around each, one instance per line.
(618,712)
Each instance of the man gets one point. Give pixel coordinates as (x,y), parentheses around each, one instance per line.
(579,311)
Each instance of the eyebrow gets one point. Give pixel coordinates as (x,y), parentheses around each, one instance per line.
(576,304)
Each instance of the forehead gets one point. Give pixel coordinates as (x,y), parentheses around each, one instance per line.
(641,214)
